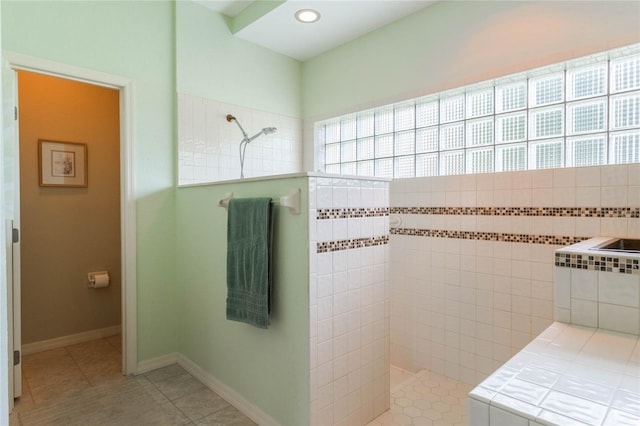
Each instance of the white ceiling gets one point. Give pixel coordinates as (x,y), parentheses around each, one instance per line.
(341,21)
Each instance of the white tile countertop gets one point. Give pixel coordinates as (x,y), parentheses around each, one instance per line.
(568,375)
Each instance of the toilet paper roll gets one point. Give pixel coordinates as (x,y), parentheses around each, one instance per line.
(100,280)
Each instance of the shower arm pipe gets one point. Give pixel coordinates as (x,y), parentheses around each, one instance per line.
(246,138)
(231,118)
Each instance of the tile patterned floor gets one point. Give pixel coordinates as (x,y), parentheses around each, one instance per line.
(82,385)
(425,399)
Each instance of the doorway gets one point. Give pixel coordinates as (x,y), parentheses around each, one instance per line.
(69,150)
(125,230)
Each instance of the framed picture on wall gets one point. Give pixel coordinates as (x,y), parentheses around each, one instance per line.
(62,163)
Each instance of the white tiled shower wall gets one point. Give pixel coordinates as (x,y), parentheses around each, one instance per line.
(208,145)
(462,307)
(349,300)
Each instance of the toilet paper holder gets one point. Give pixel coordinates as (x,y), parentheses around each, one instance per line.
(98,279)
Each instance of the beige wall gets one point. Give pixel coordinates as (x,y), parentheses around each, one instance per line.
(68,232)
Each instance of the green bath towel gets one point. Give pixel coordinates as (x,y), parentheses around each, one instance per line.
(249,235)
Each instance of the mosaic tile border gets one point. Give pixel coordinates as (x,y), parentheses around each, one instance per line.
(490,236)
(622,265)
(351,213)
(356,243)
(616,212)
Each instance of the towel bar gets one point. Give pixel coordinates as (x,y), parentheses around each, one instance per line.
(290,201)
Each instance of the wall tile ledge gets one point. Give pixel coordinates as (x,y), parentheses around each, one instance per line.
(567,375)
(583,255)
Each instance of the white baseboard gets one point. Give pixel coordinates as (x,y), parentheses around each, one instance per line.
(60,342)
(228,394)
(155,363)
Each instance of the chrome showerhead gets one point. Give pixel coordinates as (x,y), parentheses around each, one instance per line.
(265,131)
(246,140)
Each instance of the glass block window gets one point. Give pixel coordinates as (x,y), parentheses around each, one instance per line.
(427,165)
(452,109)
(480,103)
(384,121)
(625,111)
(405,142)
(587,117)
(624,147)
(365,149)
(546,90)
(511,97)
(511,128)
(404,117)
(580,113)
(546,154)
(427,139)
(427,113)
(332,132)
(365,168)
(348,151)
(510,158)
(365,124)
(384,167)
(333,169)
(348,169)
(452,162)
(480,160)
(404,166)
(384,145)
(332,153)
(585,82)
(480,132)
(546,122)
(625,74)
(348,128)
(452,136)
(587,151)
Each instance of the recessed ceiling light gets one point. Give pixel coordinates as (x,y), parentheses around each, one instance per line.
(307,16)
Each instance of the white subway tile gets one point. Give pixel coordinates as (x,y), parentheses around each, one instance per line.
(614,175)
(542,178)
(584,284)
(619,289)
(588,196)
(564,197)
(584,312)
(619,318)
(562,314)
(614,196)
(587,176)
(613,227)
(588,226)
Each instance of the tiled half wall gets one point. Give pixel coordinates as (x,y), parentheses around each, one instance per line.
(472,258)
(349,300)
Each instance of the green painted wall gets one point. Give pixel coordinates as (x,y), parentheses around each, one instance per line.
(213,64)
(133,39)
(270,367)
(454,43)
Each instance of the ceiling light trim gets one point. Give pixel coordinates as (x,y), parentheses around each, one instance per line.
(307,16)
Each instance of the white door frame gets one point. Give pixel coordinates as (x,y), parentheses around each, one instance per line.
(127,194)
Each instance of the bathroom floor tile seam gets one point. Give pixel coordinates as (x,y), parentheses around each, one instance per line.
(167,396)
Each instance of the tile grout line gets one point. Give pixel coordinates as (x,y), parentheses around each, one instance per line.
(66,348)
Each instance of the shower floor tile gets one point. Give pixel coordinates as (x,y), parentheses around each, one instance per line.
(425,399)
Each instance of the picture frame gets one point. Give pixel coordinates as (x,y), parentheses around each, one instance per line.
(62,164)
